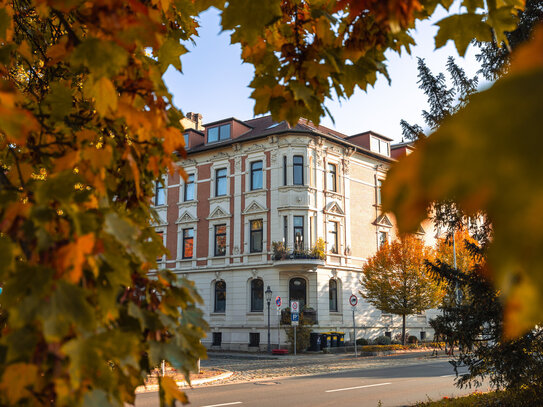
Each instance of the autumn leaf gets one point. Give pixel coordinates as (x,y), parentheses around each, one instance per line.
(104,94)
(72,257)
(17,379)
(169,392)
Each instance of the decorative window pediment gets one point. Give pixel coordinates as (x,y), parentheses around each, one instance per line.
(254,207)
(186,217)
(383,221)
(333,208)
(218,213)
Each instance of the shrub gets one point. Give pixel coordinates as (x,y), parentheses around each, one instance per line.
(362,341)
(413,339)
(383,340)
(318,251)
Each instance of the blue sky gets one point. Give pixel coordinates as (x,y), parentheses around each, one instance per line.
(215,82)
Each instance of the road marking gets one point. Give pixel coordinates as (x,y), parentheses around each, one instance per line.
(224,404)
(357,387)
(448,375)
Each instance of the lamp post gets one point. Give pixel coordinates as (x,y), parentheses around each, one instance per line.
(268,300)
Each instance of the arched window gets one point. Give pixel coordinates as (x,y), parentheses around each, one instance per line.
(332,295)
(257,295)
(220,296)
(297,291)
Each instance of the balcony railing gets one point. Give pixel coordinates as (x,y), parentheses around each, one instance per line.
(280,252)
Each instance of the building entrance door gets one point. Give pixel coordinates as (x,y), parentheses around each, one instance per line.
(297,291)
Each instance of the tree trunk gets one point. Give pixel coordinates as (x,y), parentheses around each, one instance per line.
(403,329)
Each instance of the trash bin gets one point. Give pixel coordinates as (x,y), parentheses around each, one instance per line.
(340,339)
(334,339)
(326,340)
(314,341)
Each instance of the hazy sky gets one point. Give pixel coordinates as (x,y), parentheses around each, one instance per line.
(215,82)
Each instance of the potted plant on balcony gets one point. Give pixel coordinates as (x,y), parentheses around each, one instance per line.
(279,251)
(318,251)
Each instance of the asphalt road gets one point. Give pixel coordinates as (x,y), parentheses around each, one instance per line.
(392,386)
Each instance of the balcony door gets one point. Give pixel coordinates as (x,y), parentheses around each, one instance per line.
(297,291)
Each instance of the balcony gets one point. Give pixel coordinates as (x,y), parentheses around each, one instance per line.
(307,258)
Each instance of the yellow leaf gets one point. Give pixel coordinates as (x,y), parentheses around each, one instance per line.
(171,391)
(16,380)
(72,257)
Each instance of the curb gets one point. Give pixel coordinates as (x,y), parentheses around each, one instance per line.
(183,383)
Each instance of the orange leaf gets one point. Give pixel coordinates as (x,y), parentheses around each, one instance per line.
(72,257)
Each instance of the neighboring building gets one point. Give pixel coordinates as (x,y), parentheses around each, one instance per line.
(254,185)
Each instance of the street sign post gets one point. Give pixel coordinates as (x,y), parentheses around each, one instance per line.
(353,300)
(294,318)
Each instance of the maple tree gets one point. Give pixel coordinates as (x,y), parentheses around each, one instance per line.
(395,279)
(87,126)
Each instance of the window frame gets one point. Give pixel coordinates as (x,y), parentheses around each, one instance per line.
(378,189)
(298,168)
(333,229)
(217,291)
(254,232)
(160,191)
(254,172)
(185,239)
(218,179)
(331,184)
(332,298)
(260,295)
(220,131)
(189,183)
(380,241)
(298,245)
(218,235)
(285,171)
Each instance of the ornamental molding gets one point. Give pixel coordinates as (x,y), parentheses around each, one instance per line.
(218,213)
(254,207)
(383,221)
(220,155)
(333,208)
(186,217)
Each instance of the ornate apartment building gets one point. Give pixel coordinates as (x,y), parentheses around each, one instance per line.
(259,201)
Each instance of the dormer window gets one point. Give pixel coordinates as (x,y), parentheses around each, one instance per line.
(379,146)
(218,133)
(186,138)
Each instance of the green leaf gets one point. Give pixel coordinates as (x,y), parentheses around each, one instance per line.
(6,256)
(252,16)
(59,100)
(473,5)
(462,29)
(170,53)
(102,58)
(502,20)
(5,21)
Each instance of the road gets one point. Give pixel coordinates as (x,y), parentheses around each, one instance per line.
(392,386)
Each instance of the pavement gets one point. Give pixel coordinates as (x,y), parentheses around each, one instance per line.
(256,367)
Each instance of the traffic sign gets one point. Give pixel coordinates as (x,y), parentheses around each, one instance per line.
(295,306)
(353,300)
(295,317)
(278,301)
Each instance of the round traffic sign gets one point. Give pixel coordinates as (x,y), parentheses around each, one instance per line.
(294,305)
(353,300)
(278,301)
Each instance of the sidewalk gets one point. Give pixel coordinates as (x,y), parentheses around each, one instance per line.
(254,367)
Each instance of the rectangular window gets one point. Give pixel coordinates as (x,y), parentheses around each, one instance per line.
(298,233)
(186,138)
(256,175)
(332,237)
(379,184)
(220,240)
(160,194)
(256,236)
(220,182)
(383,238)
(188,193)
(285,230)
(383,147)
(331,183)
(217,339)
(218,133)
(254,339)
(374,144)
(284,170)
(257,295)
(298,170)
(188,243)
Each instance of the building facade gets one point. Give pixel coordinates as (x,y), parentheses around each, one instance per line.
(296,209)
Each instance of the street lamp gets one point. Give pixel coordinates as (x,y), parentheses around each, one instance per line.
(268,300)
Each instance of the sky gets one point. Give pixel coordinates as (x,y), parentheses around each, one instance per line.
(215,82)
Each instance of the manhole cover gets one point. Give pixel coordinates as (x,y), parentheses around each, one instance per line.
(266,383)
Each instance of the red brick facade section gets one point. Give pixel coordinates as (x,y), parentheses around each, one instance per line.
(232,208)
(171,216)
(242,217)
(202,212)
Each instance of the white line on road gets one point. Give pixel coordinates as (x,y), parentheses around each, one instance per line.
(448,375)
(224,404)
(357,387)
